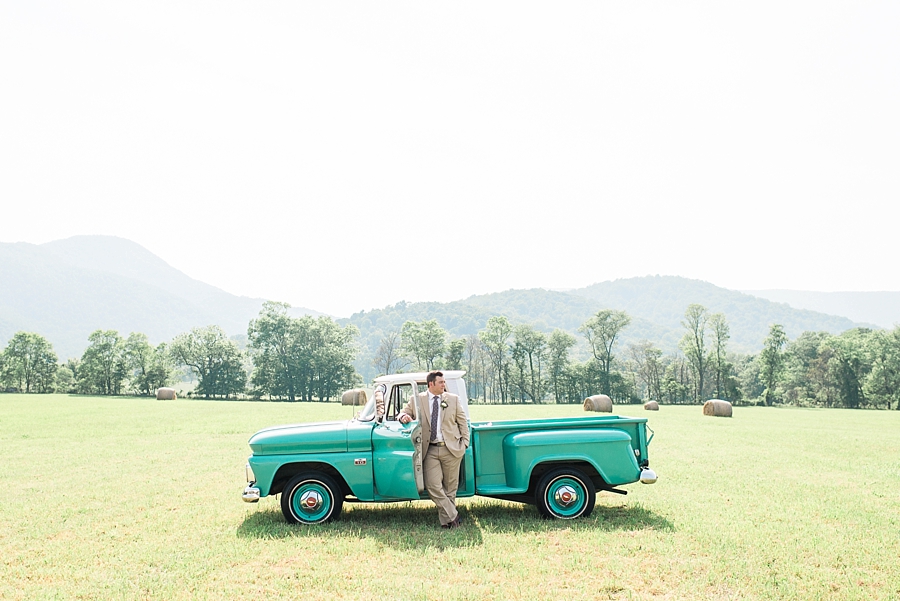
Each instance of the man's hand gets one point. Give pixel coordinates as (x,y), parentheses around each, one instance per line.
(404,419)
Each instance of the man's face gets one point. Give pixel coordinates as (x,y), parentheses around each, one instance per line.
(437,386)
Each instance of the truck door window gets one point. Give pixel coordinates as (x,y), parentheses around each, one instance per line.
(400,394)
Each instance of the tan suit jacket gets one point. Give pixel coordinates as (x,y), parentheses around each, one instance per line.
(454,426)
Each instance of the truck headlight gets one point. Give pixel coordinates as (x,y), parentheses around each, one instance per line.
(250,476)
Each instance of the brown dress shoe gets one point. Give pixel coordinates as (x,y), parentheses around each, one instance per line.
(455,523)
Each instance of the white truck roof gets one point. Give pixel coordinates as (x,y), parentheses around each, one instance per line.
(454,377)
(419,376)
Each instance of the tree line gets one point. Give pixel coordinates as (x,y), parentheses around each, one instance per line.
(507,363)
(311,359)
(285,358)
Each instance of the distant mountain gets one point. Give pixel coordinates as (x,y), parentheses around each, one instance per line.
(880,308)
(655,304)
(66,289)
(547,310)
(663,300)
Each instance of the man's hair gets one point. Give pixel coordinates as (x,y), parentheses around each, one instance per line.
(432,376)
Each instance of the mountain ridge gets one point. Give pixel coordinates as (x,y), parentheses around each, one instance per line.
(878,307)
(749,317)
(67,288)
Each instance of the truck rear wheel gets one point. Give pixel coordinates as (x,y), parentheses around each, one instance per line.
(565,494)
(311,498)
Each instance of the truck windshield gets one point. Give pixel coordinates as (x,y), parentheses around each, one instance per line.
(368,411)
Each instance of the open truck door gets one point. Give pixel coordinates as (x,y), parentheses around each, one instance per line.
(397,449)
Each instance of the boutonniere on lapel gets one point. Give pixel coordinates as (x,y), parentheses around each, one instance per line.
(443,404)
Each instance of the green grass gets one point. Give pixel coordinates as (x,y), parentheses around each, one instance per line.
(133,499)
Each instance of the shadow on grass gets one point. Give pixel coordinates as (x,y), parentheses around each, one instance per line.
(415,525)
(398,525)
(499,516)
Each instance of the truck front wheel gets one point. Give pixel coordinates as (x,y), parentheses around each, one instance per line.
(565,494)
(311,498)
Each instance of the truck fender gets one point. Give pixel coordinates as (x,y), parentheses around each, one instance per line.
(608,451)
(289,469)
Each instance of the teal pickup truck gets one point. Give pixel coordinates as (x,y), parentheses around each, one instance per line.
(557,464)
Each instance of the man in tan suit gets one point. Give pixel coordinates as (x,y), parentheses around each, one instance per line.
(445,437)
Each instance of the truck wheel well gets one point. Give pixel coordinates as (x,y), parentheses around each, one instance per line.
(289,470)
(583,466)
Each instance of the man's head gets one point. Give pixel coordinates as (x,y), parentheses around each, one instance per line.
(436,382)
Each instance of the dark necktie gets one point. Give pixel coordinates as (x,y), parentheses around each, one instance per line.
(434,424)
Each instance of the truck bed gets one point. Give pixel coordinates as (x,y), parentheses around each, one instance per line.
(505,451)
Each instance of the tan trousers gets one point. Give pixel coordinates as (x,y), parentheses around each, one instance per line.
(442,480)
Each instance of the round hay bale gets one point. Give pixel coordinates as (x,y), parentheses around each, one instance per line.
(598,402)
(166,394)
(717,408)
(651,406)
(357,396)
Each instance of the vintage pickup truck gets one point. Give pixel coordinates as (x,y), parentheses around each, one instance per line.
(557,464)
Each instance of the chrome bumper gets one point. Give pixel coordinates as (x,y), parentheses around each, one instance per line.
(251,494)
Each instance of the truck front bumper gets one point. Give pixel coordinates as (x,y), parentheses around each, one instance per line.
(251,494)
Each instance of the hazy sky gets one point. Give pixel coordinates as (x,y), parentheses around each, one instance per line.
(331,154)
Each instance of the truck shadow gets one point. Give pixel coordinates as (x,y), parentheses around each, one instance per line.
(497,516)
(414,525)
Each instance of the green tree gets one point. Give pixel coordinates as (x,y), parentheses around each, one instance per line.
(822,384)
(849,365)
(573,381)
(425,341)
(67,376)
(495,338)
(389,358)
(771,361)
(281,353)
(882,385)
(214,358)
(602,330)
(582,380)
(558,347)
(678,381)
(718,358)
(148,367)
(528,352)
(622,388)
(476,362)
(28,363)
(650,368)
(333,356)
(455,351)
(805,380)
(300,358)
(693,344)
(102,369)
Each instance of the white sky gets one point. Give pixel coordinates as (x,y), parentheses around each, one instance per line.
(330,153)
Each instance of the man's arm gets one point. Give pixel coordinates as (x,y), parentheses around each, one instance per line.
(462,422)
(408,413)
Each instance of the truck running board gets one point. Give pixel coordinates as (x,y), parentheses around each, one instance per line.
(616,490)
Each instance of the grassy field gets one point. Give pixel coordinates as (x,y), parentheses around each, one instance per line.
(134,499)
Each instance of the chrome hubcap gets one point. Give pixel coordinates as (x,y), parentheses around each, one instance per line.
(311,500)
(566,495)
